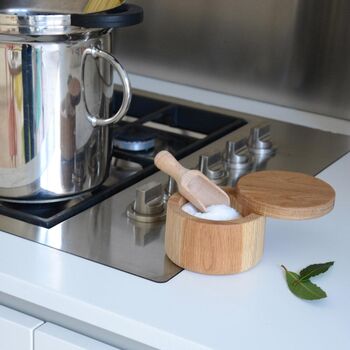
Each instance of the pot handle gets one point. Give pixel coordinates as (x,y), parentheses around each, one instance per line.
(96,120)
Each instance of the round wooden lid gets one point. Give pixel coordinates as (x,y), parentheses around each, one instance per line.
(285,195)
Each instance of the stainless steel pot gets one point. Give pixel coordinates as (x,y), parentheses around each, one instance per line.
(56,83)
(62,6)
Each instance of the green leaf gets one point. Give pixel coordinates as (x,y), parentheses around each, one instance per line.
(303,289)
(314,270)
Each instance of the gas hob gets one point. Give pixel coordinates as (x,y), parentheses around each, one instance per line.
(150,126)
(121,224)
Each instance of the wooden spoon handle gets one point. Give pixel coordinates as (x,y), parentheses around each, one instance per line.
(166,162)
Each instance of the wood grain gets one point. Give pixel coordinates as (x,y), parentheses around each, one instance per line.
(192,184)
(285,195)
(213,247)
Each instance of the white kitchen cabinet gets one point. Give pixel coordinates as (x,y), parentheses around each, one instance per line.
(52,337)
(17,330)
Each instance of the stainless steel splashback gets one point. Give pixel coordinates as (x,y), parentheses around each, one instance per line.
(288,52)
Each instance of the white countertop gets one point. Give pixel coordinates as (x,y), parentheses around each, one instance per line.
(251,310)
(246,311)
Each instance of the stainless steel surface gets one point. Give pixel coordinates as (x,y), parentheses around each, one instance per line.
(31,27)
(28,24)
(101,120)
(259,141)
(212,166)
(149,205)
(170,188)
(237,154)
(49,147)
(62,6)
(105,235)
(291,53)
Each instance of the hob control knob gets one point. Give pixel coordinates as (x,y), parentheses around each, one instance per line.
(212,166)
(171,188)
(149,205)
(237,154)
(260,140)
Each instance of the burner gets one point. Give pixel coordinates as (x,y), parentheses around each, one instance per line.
(135,138)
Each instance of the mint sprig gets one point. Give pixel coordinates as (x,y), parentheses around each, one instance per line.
(300,284)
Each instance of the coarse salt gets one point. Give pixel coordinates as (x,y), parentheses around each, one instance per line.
(218,212)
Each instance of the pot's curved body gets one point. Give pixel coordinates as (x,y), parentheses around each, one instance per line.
(49,147)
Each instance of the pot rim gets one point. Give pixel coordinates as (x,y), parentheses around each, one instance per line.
(38,26)
(33,24)
(81,7)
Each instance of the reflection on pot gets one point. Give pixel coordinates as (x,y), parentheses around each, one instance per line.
(50,147)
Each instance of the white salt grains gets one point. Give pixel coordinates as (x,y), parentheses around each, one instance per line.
(218,212)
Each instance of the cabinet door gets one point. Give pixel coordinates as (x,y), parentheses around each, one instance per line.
(52,337)
(17,330)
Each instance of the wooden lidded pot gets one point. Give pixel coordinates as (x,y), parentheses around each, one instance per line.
(227,247)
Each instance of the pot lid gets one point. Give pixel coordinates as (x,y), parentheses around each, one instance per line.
(285,195)
(58,7)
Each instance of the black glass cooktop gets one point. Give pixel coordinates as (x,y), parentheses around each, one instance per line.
(150,126)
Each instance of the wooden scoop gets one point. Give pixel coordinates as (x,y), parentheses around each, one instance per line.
(192,184)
